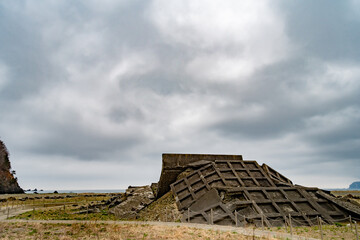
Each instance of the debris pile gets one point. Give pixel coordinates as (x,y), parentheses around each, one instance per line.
(227,190)
(135,199)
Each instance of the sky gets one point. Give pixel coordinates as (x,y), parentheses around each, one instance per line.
(93,92)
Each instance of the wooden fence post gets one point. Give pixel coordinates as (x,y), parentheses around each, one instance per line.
(236,220)
(291,229)
(212,216)
(320,226)
(188,215)
(356,231)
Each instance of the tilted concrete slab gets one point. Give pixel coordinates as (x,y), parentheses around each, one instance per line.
(174,164)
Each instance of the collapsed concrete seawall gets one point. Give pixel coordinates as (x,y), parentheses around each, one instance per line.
(227,190)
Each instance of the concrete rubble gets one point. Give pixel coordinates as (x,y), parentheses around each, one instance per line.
(227,190)
(135,199)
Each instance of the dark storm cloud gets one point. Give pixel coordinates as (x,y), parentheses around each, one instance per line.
(118,83)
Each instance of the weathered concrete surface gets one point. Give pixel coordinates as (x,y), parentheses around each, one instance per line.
(136,198)
(229,192)
(354,207)
(174,164)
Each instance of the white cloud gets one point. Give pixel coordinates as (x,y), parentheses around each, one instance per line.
(219,67)
(226,39)
(133,64)
(188,76)
(89,96)
(337,81)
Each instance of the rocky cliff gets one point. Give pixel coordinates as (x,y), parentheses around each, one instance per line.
(355,186)
(8,183)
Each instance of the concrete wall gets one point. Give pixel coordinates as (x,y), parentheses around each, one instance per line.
(174,163)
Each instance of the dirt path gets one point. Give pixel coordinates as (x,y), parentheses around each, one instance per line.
(240,230)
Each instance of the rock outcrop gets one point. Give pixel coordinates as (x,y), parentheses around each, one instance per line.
(8,183)
(355,186)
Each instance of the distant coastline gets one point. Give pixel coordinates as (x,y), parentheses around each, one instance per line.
(81,191)
(340,189)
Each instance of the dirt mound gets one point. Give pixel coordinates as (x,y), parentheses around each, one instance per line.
(163,209)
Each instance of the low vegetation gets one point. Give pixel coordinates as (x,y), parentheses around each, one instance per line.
(163,209)
(74,207)
(70,213)
(350,195)
(62,231)
(49,199)
(337,231)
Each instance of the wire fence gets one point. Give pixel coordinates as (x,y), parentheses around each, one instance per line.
(240,220)
(288,221)
(9,209)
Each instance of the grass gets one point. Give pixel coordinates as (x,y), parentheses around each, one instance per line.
(51,199)
(163,209)
(153,212)
(110,231)
(336,231)
(60,214)
(354,193)
(59,206)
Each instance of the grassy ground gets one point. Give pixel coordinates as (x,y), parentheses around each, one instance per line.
(338,231)
(49,199)
(346,192)
(154,211)
(58,206)
(163,209)
(110,231)
(353,195)
(71,213)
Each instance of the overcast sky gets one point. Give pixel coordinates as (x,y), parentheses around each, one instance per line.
(93,92)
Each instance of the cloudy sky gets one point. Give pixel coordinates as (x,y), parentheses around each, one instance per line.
(93,92)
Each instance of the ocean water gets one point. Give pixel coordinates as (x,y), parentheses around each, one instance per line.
(81,191)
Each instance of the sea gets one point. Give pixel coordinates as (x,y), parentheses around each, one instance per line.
(80,191)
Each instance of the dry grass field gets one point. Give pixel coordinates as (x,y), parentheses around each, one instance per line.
(335,232)
(49,199)
(110,231)
(51,207)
